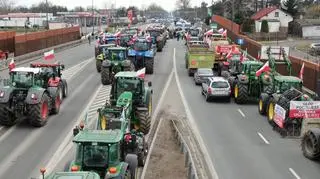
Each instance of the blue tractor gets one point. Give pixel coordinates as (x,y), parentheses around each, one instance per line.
(142,55)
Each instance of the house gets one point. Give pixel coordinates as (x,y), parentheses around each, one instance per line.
(24,19)
(278,20)
(305,28)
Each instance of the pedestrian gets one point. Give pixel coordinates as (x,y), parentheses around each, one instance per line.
(89,39)
(178,36)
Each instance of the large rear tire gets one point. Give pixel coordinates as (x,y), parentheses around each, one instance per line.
(39,113)
(98,65)
(241,93)
(263,103)
(105,76)
(310,144)
(270,111)
(56,102)
(145,121)
(65,88)
(7,118)
(149,65)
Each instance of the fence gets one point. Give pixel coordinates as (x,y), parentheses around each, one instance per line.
(7,41)
(311,70)
(31,42)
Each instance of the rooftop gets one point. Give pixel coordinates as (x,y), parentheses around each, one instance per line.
(27,69)
(263,12)
(99,136)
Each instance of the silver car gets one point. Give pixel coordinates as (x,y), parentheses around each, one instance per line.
(216,87)
(202,74)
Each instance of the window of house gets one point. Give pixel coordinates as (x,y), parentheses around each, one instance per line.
(276,14)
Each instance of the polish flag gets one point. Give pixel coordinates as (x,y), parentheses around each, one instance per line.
(301,72)
(229,55)
(221,30)
(259,55)
(12,65)
(209,32)
(244,56)
(49,55)
(264,68)
(224,33)
(141,73)
(117,34)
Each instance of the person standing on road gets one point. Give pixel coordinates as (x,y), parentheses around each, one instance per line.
(178,36)
(89,39)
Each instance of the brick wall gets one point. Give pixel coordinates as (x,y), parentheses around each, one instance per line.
(7,41)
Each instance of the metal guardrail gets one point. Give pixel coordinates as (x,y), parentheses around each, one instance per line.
(184,148)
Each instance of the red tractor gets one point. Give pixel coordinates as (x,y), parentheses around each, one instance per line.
(53,74)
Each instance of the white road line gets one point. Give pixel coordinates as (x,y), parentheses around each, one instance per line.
(294,173)
(263,138)
(194,125)
(164,91)
(242,114)
(6,133)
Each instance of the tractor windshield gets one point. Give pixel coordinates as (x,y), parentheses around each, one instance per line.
(141,46)
(154,33)
(103,50)
(194,32)
(95,155)
(117,55)
(132,85)
(22,79)
(284,86)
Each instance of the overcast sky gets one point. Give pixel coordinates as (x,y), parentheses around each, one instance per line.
(166,4)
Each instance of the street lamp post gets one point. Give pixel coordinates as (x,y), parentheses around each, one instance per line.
(93,19)
(47,25)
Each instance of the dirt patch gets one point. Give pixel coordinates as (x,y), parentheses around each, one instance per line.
(166,160)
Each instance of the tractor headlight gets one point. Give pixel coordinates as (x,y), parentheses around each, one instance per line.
(1,94)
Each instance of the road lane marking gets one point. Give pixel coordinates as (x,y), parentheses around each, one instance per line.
(263,138)
(194,125)
(164,91)
(294,173)
(242,114)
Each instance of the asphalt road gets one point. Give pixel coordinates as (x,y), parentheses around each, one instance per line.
(240,142)
(27,149)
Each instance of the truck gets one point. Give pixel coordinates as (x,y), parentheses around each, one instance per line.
(198,55)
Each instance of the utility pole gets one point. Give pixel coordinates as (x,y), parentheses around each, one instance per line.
(47,8)
(232,14)
(93,19)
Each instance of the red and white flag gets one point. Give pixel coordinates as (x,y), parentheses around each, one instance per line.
(49,55)
(117,34)
(141,73)
(224,33)
(259,55)
(264,68)
(229,55)
(301,72)
(221,30)
(12,65)
(244,56)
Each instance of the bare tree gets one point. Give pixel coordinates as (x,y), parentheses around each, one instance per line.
(183,4)
(6,6)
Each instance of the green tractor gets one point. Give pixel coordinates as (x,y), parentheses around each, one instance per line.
(100,151)
(231,69)
(119,117)
(101,54)
(117,61)
(128,85)
(29,94)
(247,85)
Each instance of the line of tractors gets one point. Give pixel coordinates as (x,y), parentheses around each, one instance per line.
(274,92)
(116,146)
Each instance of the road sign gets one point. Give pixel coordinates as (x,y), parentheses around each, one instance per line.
(240,41)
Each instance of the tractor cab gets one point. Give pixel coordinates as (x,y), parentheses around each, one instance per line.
(117,54)
(50,73)
(235,66)
(25,77)
(98,151)
(284,83)
(251,67)
(142,45)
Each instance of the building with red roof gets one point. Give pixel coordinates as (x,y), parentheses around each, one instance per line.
(278,20)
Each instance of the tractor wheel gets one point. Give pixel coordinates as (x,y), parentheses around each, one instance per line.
(232,82)
(7,118)
(270,111)
(65,88)
(310,144)
(145,121)
(132,161)
(142,155)
(241,93)
(105,76)
(263,102)
(149,66)
(56,102)
(60,91)
(39,113)
(98,65)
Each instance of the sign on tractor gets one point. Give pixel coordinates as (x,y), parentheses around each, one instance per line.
(304,109)
(279,116)
(276,52)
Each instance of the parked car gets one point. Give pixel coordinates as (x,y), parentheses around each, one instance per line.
(216,87)
(202,74)
(315,48)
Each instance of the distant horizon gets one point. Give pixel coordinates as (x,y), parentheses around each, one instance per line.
(168,5)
